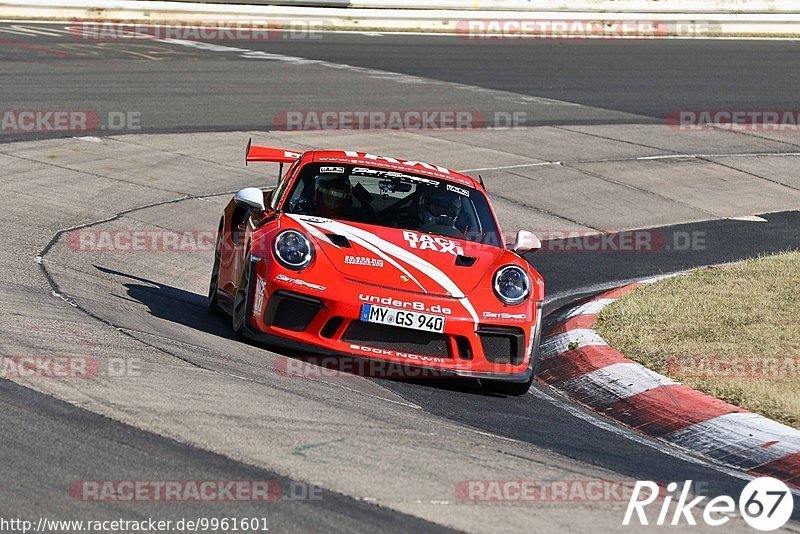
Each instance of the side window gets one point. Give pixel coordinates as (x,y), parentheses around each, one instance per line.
(281,189)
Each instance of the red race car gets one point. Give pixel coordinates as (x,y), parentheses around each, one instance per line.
(374,257)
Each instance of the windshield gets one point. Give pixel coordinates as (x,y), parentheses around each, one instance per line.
(393,199)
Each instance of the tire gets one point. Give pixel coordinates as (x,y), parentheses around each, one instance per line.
(213,302)
(241,302)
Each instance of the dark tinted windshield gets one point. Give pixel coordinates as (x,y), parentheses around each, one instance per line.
(394,199)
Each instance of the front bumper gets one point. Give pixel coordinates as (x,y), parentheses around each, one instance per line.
(322,322)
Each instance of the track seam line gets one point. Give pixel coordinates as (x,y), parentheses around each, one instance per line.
(750,173)
(90,173)
(641,190)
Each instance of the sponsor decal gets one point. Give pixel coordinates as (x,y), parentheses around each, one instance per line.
(338,170)
(353,158)
(396,354)
(380,173)
(415,305)
(298,282)
(505,316)
(428,242)
(314,220)
(363,260)
(413,164)
(460,190)
(258,303)
(404,278)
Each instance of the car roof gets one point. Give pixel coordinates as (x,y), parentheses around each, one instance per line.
(394,164)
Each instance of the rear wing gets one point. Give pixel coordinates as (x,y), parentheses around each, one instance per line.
(265,153)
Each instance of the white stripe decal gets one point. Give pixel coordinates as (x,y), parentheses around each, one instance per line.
(559,343)
(615,382)
(745,440)
(315,231)
(388,258)
(411,259)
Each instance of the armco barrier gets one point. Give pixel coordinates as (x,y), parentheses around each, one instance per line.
(599,6)
(702,18)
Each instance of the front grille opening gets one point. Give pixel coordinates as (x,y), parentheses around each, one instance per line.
(398,339)
(291,311)
(502,345)
(464,348)
(330,328)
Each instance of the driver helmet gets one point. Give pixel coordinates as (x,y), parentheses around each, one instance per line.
(332,194)
(439,206)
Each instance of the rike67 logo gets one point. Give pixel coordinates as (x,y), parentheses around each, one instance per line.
(765,504)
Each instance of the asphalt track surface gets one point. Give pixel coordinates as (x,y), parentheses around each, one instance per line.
(199,90)
(184,88)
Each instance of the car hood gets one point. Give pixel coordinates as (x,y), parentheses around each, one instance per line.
(401,259)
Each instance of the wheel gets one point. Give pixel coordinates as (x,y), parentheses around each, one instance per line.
(241,303)
(213,302)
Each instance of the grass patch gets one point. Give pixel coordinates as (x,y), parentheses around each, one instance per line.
(733,333)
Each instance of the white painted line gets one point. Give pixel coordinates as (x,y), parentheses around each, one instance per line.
(642,158)
(660,277)
(615,382)
(739,439)
(397,77)
(593,307)
(559,343)
(748,218)
(520,166)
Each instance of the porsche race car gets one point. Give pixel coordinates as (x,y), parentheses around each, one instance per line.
(353,254)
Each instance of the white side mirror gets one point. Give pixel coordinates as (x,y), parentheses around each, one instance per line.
(526,242)
(250,197)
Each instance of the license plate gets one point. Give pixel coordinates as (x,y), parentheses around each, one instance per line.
(428,322)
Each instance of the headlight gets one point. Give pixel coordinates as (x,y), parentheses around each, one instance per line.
(293,250)
(512,284)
